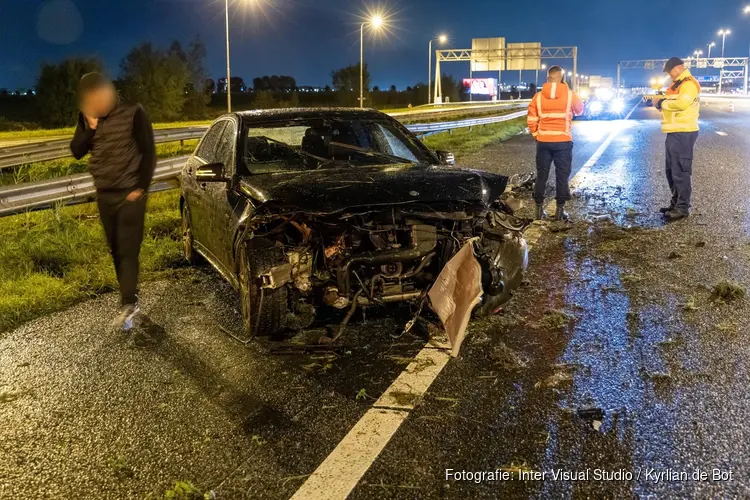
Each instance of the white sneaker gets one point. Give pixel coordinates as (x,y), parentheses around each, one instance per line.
(126,317)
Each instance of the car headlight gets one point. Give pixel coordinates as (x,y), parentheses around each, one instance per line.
(617,106)
(596,107)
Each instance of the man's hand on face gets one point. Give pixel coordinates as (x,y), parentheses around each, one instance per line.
(135,195)
(92,121)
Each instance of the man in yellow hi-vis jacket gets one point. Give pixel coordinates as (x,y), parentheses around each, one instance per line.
(679,120)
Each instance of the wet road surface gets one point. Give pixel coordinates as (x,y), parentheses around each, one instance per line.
(618,315)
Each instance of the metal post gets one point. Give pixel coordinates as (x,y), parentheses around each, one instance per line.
(429,71)
(575,69)
(362,66)
(438,84)
(471,78)
(520,77)
(618,78)
(746,75)
(229,76)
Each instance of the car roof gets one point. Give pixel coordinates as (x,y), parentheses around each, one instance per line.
(262,115)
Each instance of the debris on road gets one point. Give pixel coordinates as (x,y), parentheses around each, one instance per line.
(674,255)
(689,305)
(560,377)
(594,416)
(555,320)
(507,358)
(726,291)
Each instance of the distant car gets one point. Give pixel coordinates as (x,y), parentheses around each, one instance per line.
(603,104)
(310,208)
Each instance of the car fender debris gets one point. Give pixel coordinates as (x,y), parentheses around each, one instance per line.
(455,293)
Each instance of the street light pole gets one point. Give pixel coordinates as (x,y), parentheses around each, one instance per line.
(229,84)
(441,39)
(429,71)
(362,66)
(723,34)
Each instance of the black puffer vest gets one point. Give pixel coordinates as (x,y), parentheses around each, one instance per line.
(115,159)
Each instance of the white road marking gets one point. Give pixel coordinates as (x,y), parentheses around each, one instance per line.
(340,472)
(721,133)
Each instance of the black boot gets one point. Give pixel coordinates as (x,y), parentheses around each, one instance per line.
(540,214)
(560,213)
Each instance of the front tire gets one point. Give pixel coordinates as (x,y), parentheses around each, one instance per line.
(264,310)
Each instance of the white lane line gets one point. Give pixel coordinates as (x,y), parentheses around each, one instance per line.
(722,133)
(340,472)
(337,476)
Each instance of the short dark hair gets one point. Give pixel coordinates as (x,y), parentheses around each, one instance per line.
(92,81)
(554,70)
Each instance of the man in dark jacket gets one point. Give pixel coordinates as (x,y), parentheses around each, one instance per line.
(123,157)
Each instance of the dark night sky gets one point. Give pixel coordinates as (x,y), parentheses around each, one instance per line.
(308,38)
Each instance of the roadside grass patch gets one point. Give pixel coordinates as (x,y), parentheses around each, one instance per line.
(185,490)
(61,167)
(52,259)
(727,291)
(466,141)
(120,468)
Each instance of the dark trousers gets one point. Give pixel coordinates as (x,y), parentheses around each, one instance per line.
(123,226)
(679,153)
(562,154)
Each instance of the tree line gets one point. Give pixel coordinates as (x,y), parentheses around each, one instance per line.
(172,84)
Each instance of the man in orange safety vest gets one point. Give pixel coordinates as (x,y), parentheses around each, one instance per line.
(550,121)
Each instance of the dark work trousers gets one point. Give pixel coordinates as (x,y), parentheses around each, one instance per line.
(123,226)
(562,154)
(679,149)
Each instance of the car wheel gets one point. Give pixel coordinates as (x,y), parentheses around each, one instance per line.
(188,249)
(264,310)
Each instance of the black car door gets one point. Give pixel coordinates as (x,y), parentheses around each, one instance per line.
(225,200)
(198,195)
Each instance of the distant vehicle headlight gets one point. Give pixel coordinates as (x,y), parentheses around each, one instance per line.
(596,107)
(617,106)
(605,94)
(584,94)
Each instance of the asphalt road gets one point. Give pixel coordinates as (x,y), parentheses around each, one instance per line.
(88,413)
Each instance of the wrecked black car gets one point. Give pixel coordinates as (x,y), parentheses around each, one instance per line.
(311,208)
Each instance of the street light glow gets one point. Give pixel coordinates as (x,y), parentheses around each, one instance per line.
(723,32)
(747,9)
(376,21)
(443,38)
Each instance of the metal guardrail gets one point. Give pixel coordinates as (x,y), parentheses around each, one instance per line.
(428,128)
(71,189)
(13,156)
(79,188)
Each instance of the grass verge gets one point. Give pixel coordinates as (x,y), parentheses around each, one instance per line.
(68,131)
(467,140)
(61,167)
(52,259)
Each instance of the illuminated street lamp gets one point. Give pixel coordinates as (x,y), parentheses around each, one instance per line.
(709,45)
(441,40)
(375,22)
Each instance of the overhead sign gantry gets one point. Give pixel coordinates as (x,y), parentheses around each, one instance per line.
(730,68)
(493,54)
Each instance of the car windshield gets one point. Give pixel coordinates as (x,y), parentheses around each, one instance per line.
(321,143)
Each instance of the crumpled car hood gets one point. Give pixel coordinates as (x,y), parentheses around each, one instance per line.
(334,189)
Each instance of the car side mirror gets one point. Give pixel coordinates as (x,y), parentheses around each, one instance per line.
(446,157)
(211,172)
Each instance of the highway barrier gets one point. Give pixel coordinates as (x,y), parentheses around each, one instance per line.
(79,188)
